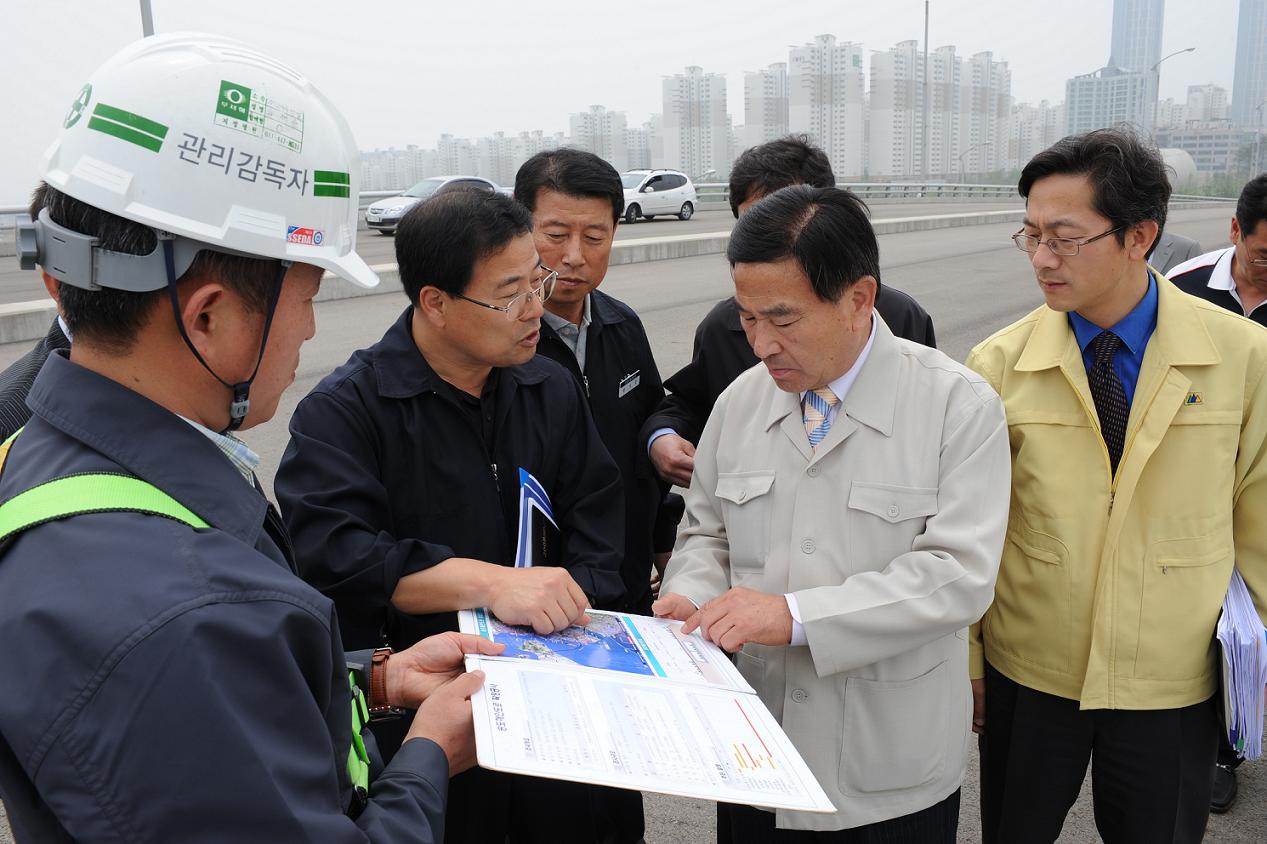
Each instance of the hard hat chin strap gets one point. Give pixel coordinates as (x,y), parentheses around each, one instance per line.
(241,404)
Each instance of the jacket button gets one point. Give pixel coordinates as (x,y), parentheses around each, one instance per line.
(799,695)
(743,493)
(808,546)
(893,511)
(812,471)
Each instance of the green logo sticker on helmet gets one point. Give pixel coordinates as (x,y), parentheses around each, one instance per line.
(235,100)
(127,126)
(250,112)
(77,107)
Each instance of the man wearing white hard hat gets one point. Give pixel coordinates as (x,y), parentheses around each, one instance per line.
(169,677)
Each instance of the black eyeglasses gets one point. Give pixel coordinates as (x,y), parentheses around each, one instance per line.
(514,309)
(1065,246)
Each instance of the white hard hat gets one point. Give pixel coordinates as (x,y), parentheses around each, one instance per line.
(206,138)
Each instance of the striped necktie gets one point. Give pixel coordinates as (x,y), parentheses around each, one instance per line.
(818,405)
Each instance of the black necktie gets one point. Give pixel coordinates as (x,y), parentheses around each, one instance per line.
(1109,395)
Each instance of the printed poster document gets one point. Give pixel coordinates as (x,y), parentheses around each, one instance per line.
(630,702)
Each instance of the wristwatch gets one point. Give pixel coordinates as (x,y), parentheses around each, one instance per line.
(377,704)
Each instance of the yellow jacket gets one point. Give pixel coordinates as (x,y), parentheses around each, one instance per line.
(1109,589)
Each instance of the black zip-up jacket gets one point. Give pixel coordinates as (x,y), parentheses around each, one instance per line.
(170,684)
(622,385)
(722,352)
(386,475)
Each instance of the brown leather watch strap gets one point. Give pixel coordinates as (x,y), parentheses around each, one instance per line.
(377,703)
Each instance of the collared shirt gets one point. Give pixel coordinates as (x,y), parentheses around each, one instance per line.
(841,388)
(1221,279)
(573,336)
(1134,330)
(239,453)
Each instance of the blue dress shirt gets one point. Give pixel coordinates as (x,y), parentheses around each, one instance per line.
(1134,330)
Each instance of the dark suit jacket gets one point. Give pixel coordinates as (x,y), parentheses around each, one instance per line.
(16,381)
(722,352)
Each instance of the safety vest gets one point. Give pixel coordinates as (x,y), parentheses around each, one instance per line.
(107,492)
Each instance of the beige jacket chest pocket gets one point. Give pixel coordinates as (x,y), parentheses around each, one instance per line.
(884,520)
(746,505)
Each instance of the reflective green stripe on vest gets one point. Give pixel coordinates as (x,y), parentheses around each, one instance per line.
(358,757)
(75,495)
(101,492)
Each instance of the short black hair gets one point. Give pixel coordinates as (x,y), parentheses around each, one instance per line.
(826,230)
(768,167)
(439,240)
(111,318)
(1127,175)
(571,172)
(1251,207)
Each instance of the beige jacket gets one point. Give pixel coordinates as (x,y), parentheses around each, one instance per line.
(889,535)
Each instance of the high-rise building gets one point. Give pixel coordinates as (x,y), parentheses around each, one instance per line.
(765,105)
(1170,114)
(1249,81)
(1108,97)
(499,158)
(1136,34)
(1205,103)
(531,143)
(970,113)
(696,124)
(1034,129)
(655,140)
(984,114)
(826,100)
(602,132)
(638,147)
(896,124)
(457,156)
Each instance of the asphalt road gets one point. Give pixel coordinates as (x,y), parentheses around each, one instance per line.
(972,280)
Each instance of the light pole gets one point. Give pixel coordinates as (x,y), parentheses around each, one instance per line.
(147,19)
(1258,141)
(961,155)
(927,79)
(1156,92)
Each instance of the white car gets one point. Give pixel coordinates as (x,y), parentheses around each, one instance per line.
(652,192)
(384,215)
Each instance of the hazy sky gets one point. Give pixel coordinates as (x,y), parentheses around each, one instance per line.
(404,72)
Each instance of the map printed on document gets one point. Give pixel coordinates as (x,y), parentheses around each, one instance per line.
(628,701)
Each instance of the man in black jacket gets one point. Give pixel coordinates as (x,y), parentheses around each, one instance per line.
(721,349)
(576,198)
(401,482)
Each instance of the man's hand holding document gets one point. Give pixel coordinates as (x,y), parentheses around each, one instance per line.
(1243,642)
(629,701)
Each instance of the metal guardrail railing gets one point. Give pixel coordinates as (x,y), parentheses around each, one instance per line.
(720,192)
(1192,197)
